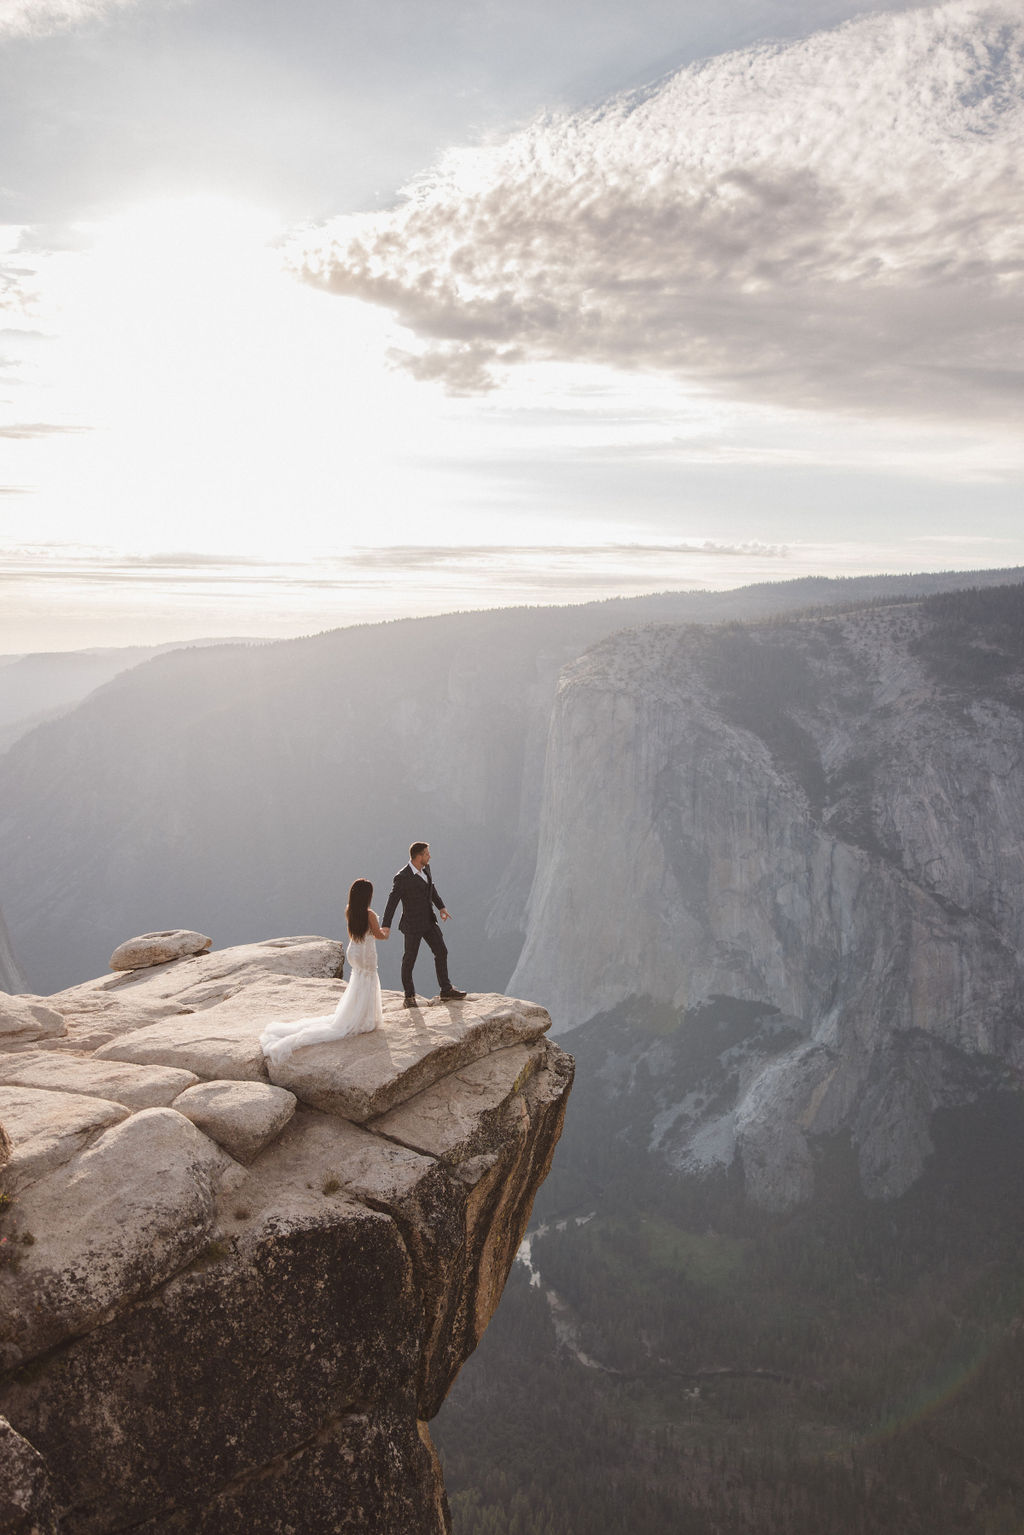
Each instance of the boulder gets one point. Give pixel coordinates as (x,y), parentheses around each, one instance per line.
(47,1129)
(137,1087)
(158,948)
(243,1117)
(364,1076)
(23,1020)
(129,1211)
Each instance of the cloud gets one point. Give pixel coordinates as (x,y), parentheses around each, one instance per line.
(414,557)
(456,575)
(187,559)
(15,293)
(20,18)
(830,224)
(22,431)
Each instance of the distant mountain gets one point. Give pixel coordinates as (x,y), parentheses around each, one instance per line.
(239,789)
(35,687)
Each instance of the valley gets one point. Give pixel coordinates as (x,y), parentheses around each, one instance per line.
(760,855)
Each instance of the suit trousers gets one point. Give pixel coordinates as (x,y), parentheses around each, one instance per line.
(432,938)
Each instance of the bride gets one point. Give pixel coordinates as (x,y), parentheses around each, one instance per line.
(359,1010)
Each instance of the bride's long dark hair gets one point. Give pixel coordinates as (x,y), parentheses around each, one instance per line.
(357,912)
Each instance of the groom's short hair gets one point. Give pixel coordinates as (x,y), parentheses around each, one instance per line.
(417,848)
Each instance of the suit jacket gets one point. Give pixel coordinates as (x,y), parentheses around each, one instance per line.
(418,899)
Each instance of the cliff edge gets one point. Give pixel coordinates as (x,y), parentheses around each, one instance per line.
(230,1302)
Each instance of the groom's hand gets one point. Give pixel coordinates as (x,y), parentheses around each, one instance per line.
(385,932)
(444,915)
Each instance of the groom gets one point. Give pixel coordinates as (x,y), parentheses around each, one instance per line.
(414,888)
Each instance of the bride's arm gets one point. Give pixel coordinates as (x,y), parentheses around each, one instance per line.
(375,927)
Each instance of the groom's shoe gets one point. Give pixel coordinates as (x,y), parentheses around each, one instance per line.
(410,1002)
(451,995)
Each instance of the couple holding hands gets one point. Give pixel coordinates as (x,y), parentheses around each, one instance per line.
(359,1010)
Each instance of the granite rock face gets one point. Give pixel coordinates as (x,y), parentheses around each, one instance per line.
(821,816)
(11,978)
(237,1312)
(48,1129)
(27,1020)
(26,1498)
(419,1046)
(226,987)
(137,1087)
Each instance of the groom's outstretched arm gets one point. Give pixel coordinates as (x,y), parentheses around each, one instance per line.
(392,906)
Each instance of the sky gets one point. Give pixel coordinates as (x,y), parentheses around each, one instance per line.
(334,311)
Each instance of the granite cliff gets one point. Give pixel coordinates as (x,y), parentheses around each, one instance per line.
(232,1303)
(11,978)
(806,835)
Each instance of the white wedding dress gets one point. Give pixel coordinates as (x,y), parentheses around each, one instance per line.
(358,1012)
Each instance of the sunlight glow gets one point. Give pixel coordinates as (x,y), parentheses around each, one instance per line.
(220,391)
(176,389)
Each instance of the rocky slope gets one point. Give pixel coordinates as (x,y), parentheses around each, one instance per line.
(231,1303)
(819,819)
(244,787)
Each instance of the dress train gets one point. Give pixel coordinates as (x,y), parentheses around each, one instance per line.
(359,1011)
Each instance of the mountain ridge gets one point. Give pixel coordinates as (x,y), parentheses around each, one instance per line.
(247,785)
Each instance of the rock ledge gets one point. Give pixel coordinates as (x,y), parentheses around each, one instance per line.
(229,1303)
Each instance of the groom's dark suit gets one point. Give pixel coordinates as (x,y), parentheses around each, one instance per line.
(418,897)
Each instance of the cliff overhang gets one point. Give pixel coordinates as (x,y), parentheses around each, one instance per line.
(231,1301)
